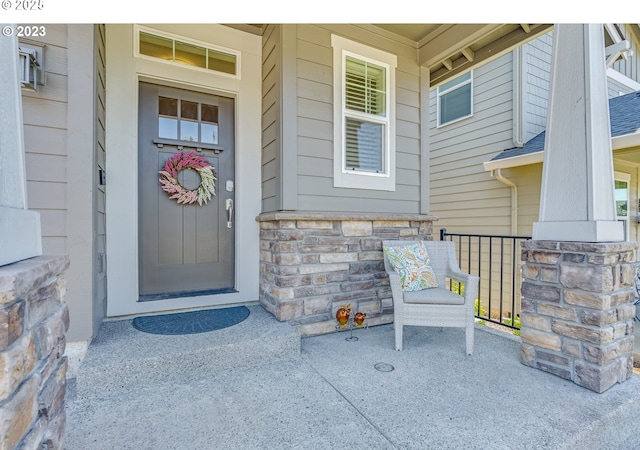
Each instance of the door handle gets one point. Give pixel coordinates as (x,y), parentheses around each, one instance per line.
(229,207)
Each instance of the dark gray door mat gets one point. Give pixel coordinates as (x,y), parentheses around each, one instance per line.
(192,322)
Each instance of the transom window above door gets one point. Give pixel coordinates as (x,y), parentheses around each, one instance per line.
(184,120)
(151,43)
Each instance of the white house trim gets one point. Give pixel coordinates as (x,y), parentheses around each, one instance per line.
(626,141)
(19,228)
(623,79)
(515,161)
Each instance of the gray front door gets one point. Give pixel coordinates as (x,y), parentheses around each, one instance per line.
(185,249)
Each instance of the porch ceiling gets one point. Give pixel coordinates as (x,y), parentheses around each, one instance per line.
(448,50)
(629,155)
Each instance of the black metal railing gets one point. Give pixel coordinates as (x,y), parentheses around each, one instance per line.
(496,260)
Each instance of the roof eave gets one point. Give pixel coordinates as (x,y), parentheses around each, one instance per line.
(626,141)
(514,161)
(618,142)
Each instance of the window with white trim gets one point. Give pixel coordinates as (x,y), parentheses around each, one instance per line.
(364,116)
(621,190)
(455,99)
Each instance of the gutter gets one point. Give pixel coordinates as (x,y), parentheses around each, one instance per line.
(497,174)
(518,136)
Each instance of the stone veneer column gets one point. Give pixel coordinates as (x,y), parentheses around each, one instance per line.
(311,263)
(33,321)
(577,312)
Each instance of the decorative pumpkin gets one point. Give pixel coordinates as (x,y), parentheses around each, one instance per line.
(342,315)
(359,318)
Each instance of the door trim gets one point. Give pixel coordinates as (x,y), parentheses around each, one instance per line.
(121,136)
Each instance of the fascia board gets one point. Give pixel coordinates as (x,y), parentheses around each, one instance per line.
(515,161)
(626,141)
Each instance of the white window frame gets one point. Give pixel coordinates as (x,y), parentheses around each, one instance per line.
(356,179)
(440,93)
(625,178)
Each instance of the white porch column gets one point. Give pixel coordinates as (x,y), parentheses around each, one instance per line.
(577,198)
(20,236)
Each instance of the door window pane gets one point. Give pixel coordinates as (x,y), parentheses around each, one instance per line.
(168,118)
(209,124)
(189,121)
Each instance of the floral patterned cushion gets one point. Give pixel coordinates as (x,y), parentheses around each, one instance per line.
(412,263)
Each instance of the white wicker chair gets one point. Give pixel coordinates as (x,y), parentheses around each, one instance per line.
(434,307)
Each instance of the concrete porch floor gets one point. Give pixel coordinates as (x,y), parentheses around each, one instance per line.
(324,393)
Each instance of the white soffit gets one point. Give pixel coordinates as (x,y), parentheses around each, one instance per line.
(515,161)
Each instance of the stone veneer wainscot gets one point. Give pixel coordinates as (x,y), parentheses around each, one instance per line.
(311,263)
(577,312)
(33,321)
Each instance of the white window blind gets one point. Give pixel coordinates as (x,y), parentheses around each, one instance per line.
(365,87)
(364,145)
(365,95)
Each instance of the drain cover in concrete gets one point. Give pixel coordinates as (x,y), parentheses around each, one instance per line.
(383,367)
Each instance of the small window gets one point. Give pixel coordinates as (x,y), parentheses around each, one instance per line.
(187,121)
(190,54)
(455,99)
(364,131)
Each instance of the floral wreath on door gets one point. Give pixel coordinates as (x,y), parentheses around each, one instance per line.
(183,161)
